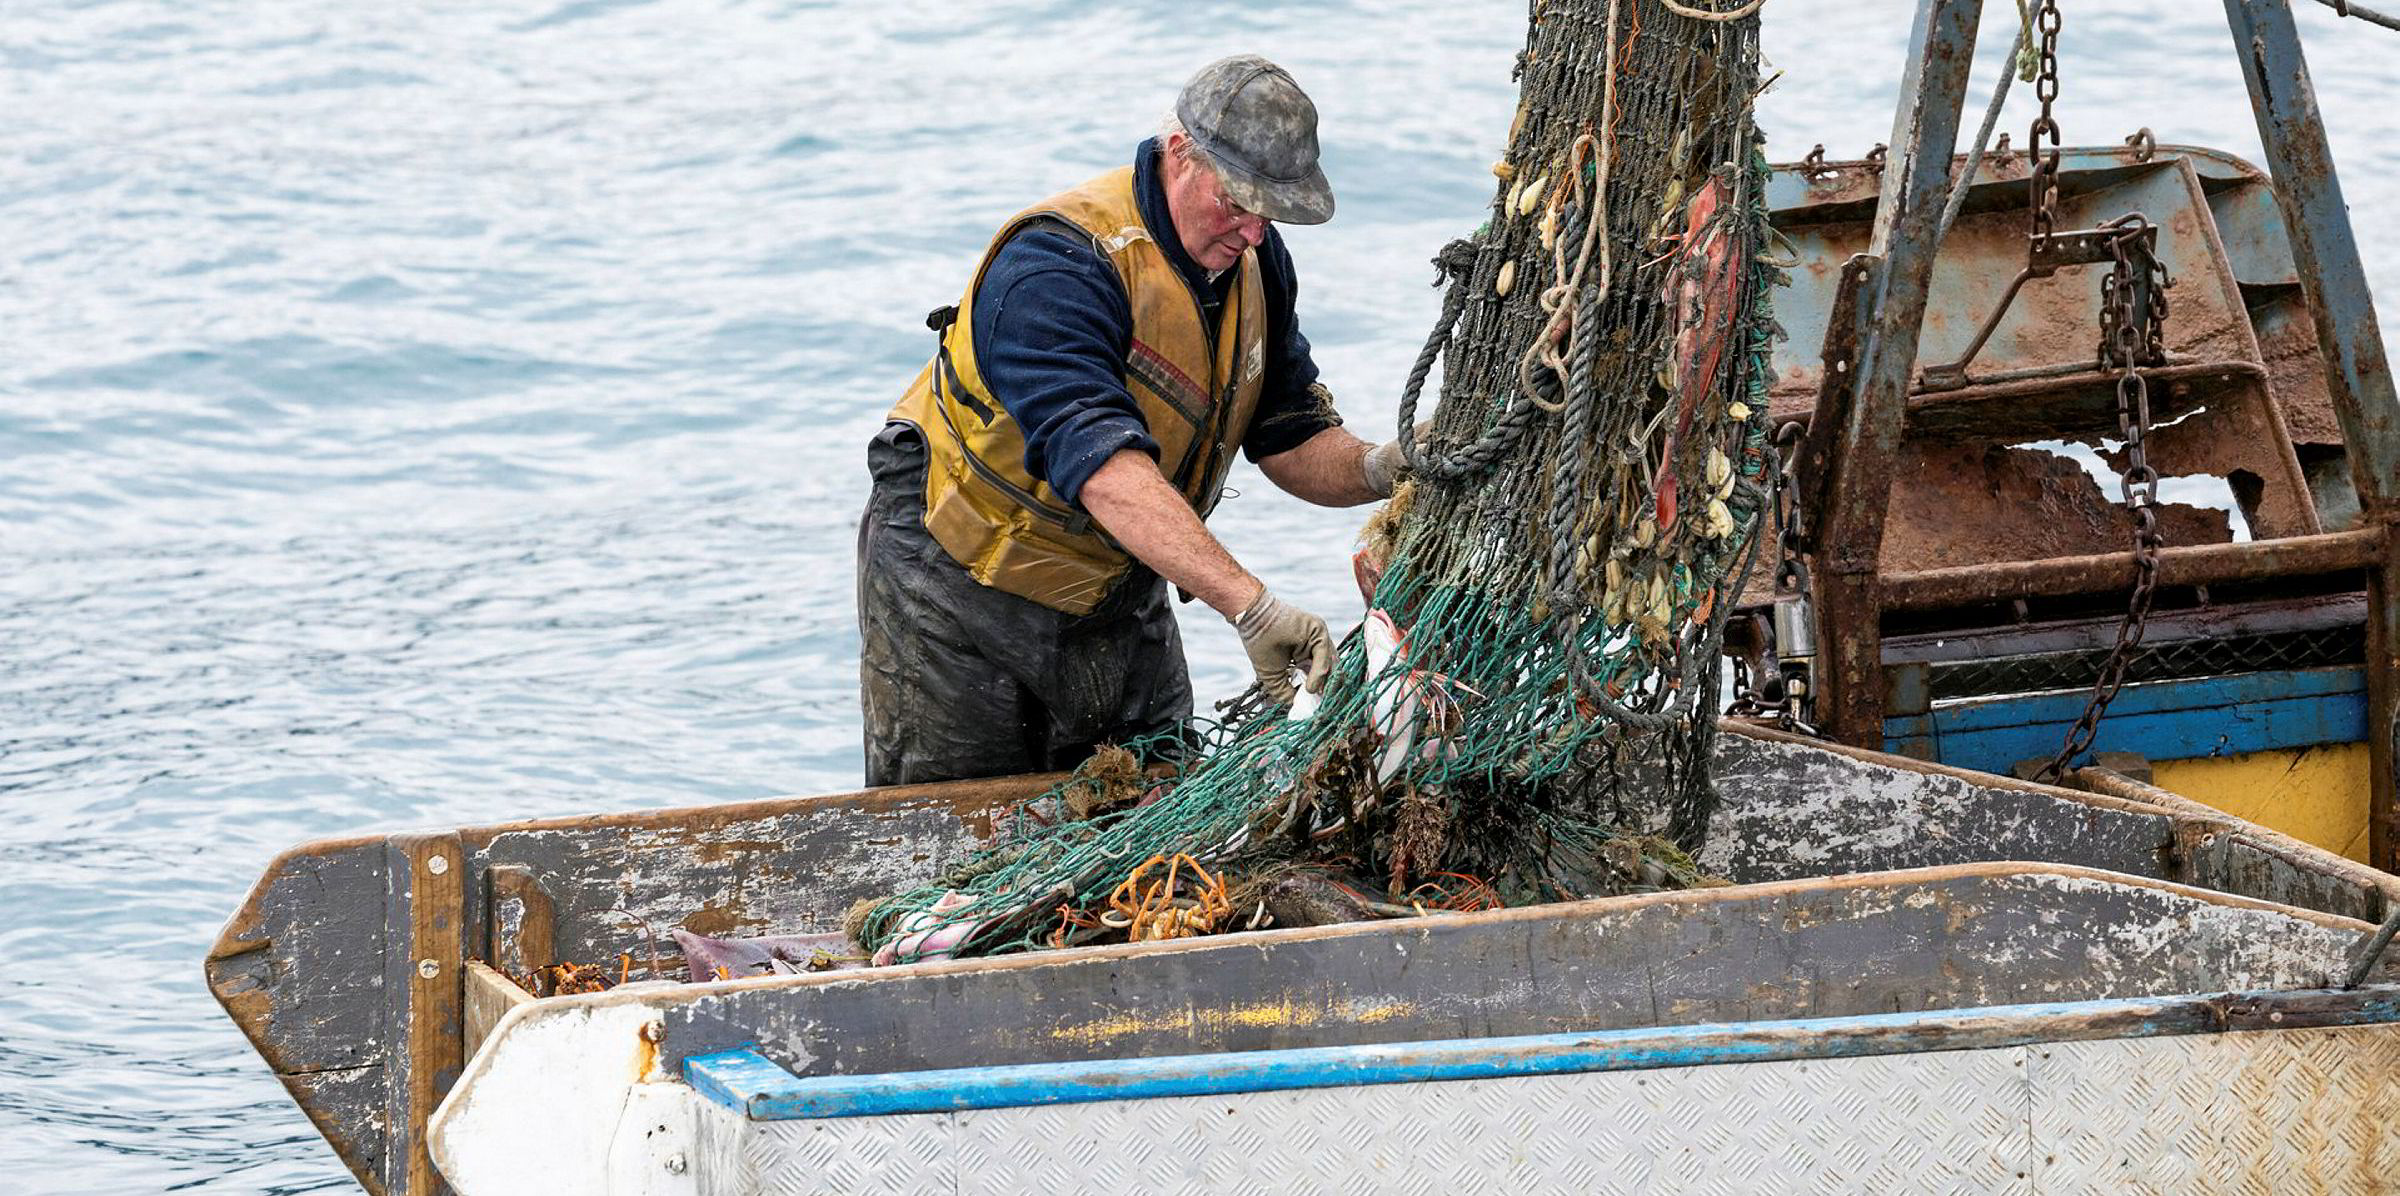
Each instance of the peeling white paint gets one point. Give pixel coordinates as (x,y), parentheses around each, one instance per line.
(792,1048)
(2237,946)
(1789,810)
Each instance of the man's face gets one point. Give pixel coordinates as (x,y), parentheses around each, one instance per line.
(1213,229)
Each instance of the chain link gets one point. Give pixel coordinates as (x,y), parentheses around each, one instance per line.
(2133,315)
(2130,338)
(2042,182)
(1768,694)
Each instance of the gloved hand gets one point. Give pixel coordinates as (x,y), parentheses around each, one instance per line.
(1382,467)
(1383,463)
(1279,637)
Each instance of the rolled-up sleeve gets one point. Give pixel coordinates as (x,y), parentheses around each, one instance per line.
(1052,327)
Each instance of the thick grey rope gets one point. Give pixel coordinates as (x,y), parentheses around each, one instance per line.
(1583,395)
(1498,441)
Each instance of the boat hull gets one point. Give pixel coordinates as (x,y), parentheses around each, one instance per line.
(1865,884)
(2124,1096)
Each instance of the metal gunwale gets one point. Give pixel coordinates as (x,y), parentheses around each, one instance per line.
(760,1090)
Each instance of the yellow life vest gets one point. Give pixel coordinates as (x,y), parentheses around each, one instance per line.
(1196,388)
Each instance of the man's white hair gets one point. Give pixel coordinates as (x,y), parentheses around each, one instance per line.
(1190,151)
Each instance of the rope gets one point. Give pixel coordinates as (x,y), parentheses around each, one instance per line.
(1554,300)
(1455,260)
(1532,688)
(1701,14)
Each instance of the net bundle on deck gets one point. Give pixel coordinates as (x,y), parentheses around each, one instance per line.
(1526,713)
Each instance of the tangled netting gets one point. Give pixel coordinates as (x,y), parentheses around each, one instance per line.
(1527,712)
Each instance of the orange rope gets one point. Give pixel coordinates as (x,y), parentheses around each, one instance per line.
(1156,911)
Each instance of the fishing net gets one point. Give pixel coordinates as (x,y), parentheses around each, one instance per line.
(1526,714)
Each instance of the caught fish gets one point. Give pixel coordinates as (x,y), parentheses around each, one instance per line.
(1303,708)
(1409,714)
(1703,287)
(924,937)
(707,957)
(1368,570)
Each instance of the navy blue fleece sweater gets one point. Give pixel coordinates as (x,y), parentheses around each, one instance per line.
(1052,327)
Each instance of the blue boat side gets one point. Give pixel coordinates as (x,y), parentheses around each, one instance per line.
(761,1090)
(2162,720)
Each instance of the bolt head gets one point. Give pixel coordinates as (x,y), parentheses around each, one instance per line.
(438,865)
(676,1164)
(428,968)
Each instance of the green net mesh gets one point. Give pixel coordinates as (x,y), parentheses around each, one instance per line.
(1526,714)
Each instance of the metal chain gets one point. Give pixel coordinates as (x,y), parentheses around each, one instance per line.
(1768,697)
(2042,183)
(2129,339)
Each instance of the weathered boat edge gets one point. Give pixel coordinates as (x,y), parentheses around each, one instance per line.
(322,962)
(305,965)
(601,1052)
(2319,1065)
(760,1090)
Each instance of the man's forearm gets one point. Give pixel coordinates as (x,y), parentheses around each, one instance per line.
(1327,469)
(1132,500)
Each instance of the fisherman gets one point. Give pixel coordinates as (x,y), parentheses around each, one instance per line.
(1046,476)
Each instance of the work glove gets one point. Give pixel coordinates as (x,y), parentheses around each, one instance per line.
(1280,637)
(1384,461)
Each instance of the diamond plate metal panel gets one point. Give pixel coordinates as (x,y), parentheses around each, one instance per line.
(1948,1122)
(2253,1114)
(857,1156)
(2257,1114)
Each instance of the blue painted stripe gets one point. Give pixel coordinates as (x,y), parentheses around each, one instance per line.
(2163,720)
(730,1077)
(2219,694)
(749,1083)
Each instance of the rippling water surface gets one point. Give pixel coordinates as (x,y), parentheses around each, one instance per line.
(438,413)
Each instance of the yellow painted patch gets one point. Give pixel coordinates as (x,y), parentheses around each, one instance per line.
(2314,794)
(1286,1013)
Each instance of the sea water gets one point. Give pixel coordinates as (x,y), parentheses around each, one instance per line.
(439,413)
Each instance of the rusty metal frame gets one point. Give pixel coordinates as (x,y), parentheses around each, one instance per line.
(2334,284)
(2188,565)
(2324,251)
(2083,247)
(1861,436)
(1870,363)
(2383,701)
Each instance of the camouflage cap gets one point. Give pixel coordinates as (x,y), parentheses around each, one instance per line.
(1260,131)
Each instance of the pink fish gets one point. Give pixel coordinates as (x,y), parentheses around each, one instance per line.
(1409,714)
(1704,284)
(1368,571)
(925,937)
